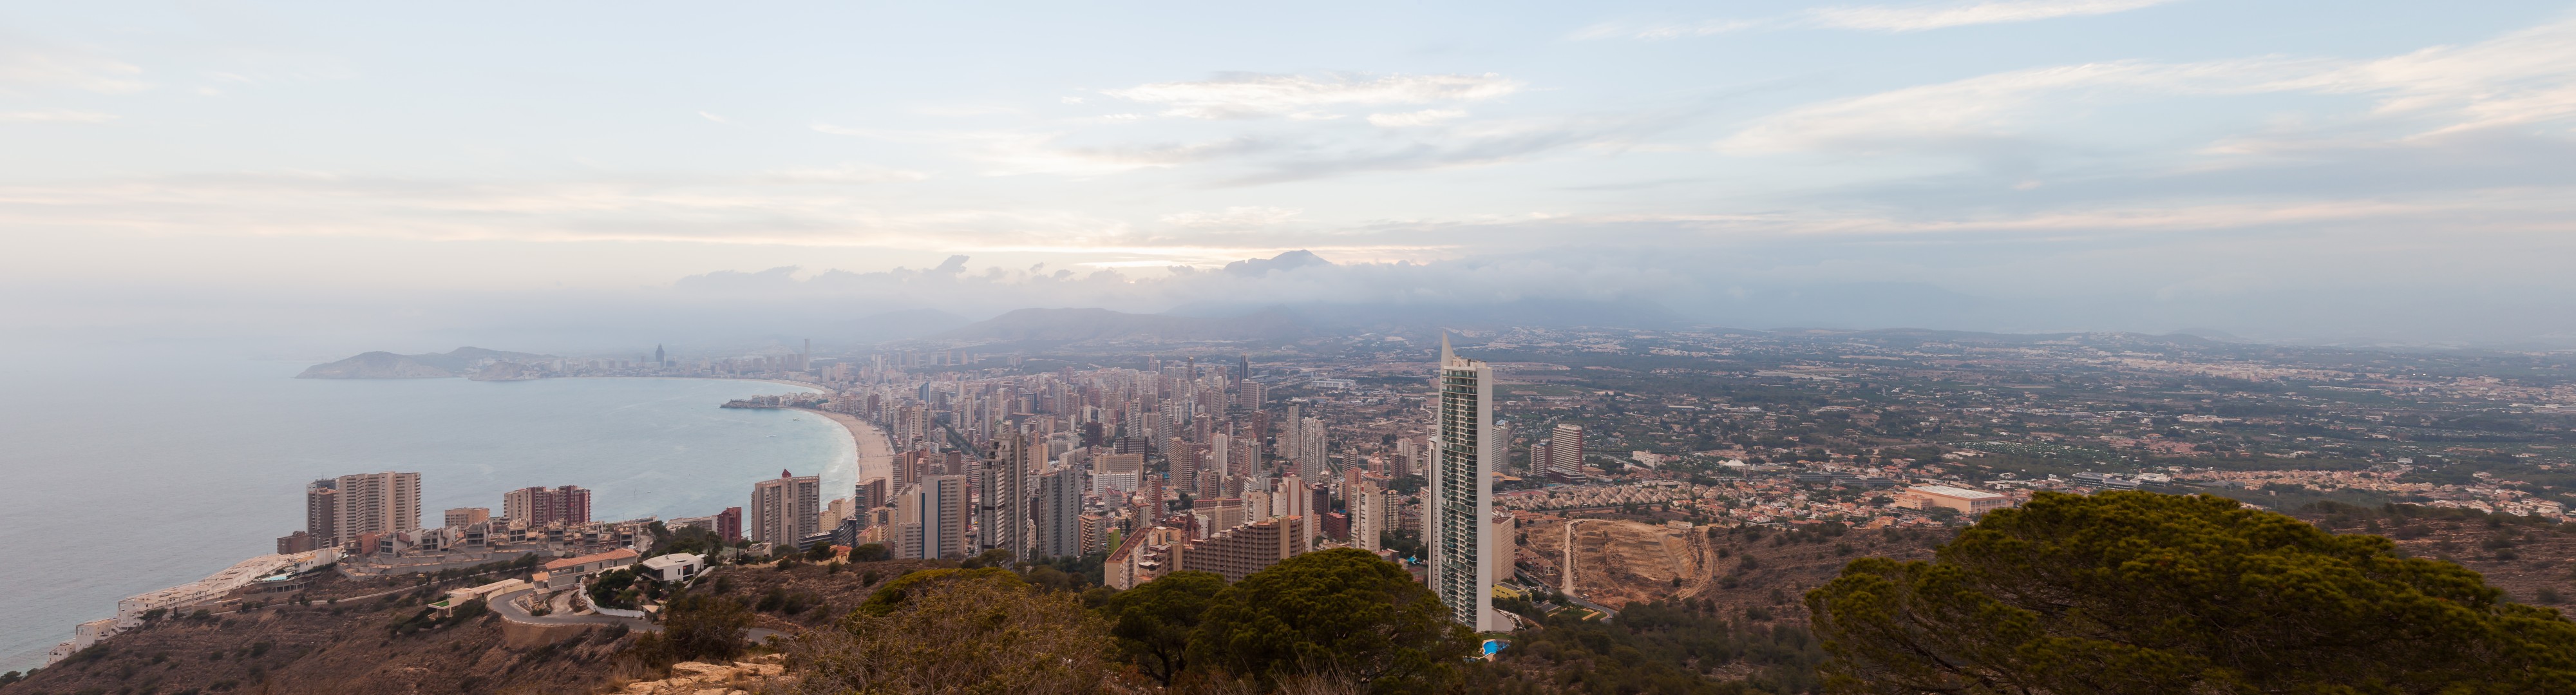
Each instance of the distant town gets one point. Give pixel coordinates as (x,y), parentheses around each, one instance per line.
(1467,457)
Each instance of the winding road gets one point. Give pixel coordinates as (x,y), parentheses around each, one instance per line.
(508,606)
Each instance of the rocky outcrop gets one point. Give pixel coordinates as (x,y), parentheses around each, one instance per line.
(427,365)
(697,678)
(375,365)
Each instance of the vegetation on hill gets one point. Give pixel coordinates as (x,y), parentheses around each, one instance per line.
(2149,593)
(2119,592)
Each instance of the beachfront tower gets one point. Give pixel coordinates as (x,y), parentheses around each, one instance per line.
(784,510)
(1461,493)
(658,360)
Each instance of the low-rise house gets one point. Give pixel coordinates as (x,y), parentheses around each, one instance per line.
(569,571)
(675,567)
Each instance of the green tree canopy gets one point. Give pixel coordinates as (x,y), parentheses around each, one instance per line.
(2137,592)
(896,593)
(1152,622)
(1342,614)
(698,625)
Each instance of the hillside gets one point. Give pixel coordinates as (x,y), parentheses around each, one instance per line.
(1727,620)
(1622,561)
(332,646)
(375,645)
(386,365)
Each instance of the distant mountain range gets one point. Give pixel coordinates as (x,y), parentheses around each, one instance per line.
(386,365)
(1291,322)
(1073,325)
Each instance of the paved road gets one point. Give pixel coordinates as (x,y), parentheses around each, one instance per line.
(508,605)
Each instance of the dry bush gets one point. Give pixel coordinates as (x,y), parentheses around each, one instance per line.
(970,633)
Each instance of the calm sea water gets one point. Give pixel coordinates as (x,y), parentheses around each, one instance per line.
(123,473)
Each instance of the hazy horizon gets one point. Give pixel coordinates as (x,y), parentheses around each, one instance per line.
(310,180)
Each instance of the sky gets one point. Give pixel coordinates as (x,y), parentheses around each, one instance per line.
(566,176)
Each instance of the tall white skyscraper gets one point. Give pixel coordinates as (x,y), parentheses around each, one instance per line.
(1368,515)
(1461,492)
(1311,446)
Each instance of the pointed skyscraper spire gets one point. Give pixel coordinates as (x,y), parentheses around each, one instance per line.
(1446,356)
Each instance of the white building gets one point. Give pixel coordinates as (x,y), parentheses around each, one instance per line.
(1461,493)
(674,567)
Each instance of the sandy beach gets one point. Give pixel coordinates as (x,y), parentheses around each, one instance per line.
(876,452)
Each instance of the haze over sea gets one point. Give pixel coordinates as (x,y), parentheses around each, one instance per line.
(134,470)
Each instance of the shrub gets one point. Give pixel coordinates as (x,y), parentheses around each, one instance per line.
(2143,592)
(958,631)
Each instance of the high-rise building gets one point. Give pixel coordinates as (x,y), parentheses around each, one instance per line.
(1238,552)
(784,510)
(322,513)
(1565,452)
(729,524)
(1461,492)
(1185,459)
(378,503)
(539,507)
(871,494)
(1002,518)
(929,519)
(1117,473)
(467,516)
(1408,459)
(1059,522)
(1368,515)
(1311,447)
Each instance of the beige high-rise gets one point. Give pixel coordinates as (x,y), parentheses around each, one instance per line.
(784,510)
(387,502)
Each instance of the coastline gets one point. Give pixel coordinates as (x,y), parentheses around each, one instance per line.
(875,449)
(33,627)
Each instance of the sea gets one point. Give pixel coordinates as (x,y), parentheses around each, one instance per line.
(128,470)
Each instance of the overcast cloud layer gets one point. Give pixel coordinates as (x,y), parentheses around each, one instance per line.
(584,177)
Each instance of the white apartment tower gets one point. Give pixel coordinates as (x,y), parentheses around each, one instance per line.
(1311,446)
(1368,515)
(1461,492)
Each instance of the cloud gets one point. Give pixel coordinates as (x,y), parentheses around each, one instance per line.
(1904,18)
(1662,32)
(1233,217)
(2525,77)
(1880,18)
(29,64)
(2001,104)
(1249,95)
(713,117)
(56,116)
(848,174)
(1406,120)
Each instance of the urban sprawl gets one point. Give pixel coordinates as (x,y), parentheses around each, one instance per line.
(1140,458)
